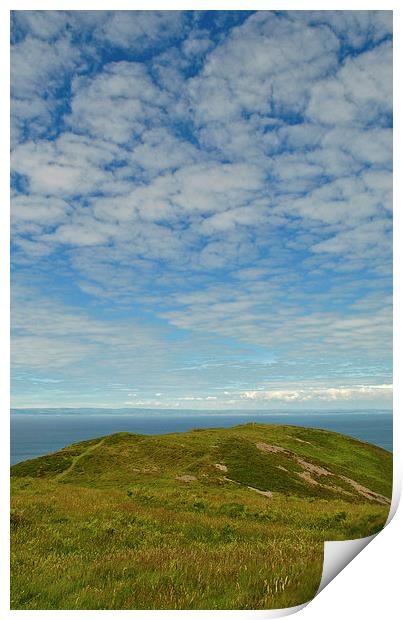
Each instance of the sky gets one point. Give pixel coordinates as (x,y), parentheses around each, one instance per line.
(201,209)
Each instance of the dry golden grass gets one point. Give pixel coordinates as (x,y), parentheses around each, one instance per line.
(108,525)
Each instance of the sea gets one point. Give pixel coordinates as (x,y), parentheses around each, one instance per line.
(35,432)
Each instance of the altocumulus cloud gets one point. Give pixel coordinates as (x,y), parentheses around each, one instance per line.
(201,208)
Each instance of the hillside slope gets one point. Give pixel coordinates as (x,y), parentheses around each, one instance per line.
(208,519)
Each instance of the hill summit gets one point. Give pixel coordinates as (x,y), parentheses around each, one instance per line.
(230,518)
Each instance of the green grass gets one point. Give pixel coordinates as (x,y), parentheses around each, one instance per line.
(106,524)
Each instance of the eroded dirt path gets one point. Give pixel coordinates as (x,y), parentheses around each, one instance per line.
(312,471)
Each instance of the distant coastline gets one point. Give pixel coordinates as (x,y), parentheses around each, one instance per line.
(201,412)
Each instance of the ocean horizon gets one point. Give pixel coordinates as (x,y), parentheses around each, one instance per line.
(39,431)
(166,410)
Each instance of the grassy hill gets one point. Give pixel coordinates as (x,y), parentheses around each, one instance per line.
(208,519)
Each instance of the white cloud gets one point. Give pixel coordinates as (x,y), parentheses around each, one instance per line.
(197,43)
(358,94)
(42,24)
(358,392)
(39,66)
(159,150)
(141,30)
(38,69)
(354,28)
(45,210)
(235,187)
(266,64)
(117,103)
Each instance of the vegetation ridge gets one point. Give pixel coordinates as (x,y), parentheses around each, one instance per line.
(230,518)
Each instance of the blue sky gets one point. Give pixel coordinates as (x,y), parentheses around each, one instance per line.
(201,209)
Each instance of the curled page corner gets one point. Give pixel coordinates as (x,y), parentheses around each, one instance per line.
(339,553)
(396,495)
(286,611)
